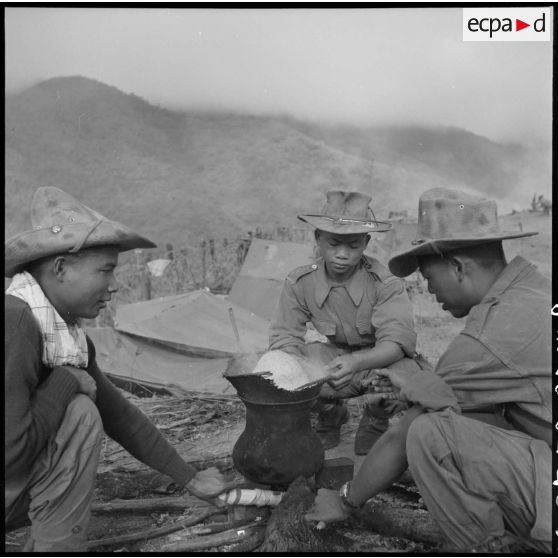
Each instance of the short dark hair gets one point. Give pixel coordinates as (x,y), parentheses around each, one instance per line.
(36,267)
(486,255)
(318,231)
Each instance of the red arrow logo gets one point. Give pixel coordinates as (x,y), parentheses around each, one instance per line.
(519,25)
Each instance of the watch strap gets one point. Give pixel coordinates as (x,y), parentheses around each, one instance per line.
(344,495)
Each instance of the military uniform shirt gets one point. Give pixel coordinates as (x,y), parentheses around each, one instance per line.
(371,307)
(502,358)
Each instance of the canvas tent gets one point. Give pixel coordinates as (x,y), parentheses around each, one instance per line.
(182,342)
(268,262)
(196,323)
(132,360)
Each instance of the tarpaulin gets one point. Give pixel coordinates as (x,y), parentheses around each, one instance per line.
(268,262)
(197,323)
(149,364)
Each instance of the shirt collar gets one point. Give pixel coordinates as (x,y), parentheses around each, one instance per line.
(509,274)
(355,286)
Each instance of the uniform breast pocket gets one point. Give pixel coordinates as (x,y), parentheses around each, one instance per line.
(325,328)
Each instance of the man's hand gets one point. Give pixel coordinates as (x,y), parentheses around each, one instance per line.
(342,369)
(86,383)
(395,379)
(327,508)
(208,483)
(377,383)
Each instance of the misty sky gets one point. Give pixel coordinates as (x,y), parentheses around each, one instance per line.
(363,66)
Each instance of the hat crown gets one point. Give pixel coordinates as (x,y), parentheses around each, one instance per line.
(52,206)
(346,213)
(60,224)
(347,205)
(447,214)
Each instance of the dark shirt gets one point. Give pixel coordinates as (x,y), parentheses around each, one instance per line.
(36,398)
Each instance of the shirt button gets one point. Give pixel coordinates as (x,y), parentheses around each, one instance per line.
(314,266)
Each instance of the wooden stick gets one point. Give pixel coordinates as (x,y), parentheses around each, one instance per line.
(230,536)
(250,543)
(198,421)
(397,521)
(158,531)
(235,329)
(142,504)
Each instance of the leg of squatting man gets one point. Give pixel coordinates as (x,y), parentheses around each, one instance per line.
(61,485)
(477,482)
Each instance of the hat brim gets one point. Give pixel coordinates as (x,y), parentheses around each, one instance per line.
(406,262)
(345,226)
(35,244)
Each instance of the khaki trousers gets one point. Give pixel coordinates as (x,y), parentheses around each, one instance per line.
(478,481)
(57,494)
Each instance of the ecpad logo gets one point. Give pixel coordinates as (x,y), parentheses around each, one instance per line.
(507,24)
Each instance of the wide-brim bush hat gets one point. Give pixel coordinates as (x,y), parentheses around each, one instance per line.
(60,224)
(447,220)
(346,213)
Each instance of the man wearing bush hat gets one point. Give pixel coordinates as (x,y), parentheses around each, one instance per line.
(361,308)
(477,436)
(57,401)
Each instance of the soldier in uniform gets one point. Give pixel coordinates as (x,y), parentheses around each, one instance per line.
(477,437)
(358,305)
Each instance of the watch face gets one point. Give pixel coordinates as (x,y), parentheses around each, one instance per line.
(344,494)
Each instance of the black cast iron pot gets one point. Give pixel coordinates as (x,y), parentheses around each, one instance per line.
(278,443)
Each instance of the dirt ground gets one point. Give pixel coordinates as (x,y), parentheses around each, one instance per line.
(204,428)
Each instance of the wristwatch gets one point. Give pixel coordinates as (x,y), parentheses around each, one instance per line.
(344,495)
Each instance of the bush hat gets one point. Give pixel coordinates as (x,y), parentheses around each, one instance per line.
(346,213)
(60,224)
(447,220)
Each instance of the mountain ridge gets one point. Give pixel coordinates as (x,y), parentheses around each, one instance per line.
(180,175)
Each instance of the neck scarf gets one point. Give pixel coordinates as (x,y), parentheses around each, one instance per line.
(63,343)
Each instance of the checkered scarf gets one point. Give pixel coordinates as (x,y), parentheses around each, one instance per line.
(63,343)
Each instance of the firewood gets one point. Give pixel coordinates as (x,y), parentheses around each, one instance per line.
(158,531)
(393,520)
(287,531)
(230,536)
(249,544)
(140,505)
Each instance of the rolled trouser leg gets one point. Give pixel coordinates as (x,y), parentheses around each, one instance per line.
(477,480)
(62,481)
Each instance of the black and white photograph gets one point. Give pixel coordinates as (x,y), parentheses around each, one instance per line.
(278,279)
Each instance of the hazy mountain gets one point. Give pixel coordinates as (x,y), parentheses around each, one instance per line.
(179,175)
